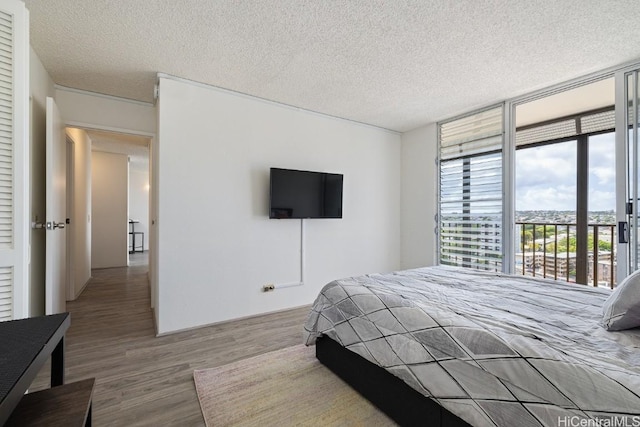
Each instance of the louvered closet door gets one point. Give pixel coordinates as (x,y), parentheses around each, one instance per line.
(14,143)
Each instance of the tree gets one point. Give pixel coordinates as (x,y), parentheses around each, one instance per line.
(528,238)
(603,245)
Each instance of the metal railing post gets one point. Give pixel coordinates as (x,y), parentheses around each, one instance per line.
(595,255)
(533,259)
(612,256)
(555,253)
(544,251)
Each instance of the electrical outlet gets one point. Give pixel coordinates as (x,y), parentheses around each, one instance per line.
(268,288)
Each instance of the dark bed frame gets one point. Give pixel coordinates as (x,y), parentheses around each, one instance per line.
(389,393)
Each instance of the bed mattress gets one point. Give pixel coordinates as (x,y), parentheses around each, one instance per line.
(493,349)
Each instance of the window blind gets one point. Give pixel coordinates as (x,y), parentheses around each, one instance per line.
(584,123)
(470,219)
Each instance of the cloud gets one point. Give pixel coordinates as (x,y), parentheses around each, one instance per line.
(602,162)
(546,176)
(560,198)
(602,200)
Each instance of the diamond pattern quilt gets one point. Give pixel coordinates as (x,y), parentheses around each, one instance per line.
(493,349)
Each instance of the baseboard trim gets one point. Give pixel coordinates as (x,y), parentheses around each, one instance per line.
(231,320)
(77,295)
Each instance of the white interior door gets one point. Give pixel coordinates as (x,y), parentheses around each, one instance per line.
(56,187)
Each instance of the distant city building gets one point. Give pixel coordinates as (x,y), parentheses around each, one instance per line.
(545,245)
(563,265)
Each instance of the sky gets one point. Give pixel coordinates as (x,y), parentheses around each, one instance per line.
(546,176)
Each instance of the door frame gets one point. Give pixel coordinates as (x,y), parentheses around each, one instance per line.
(153,187)
(624,250)
(70,229)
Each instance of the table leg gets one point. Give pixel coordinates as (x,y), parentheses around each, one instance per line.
(89,416)
(57,364)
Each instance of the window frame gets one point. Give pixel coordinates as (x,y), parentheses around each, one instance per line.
(439,161)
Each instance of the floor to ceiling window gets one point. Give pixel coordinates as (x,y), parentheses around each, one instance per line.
(555,195)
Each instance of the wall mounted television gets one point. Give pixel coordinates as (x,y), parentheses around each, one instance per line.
(305,194)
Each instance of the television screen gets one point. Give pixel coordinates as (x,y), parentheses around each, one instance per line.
(305,194)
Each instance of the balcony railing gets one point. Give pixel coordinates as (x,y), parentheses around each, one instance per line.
(549,250)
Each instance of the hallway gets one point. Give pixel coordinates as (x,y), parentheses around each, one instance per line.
(146,380)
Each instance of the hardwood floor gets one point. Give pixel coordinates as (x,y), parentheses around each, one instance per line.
(144,380)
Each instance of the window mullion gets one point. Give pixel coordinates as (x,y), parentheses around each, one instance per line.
(582,210)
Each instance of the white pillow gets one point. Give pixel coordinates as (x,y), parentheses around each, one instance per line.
(622,309)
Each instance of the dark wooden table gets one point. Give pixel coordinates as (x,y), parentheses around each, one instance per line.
(25,346)
(133,233)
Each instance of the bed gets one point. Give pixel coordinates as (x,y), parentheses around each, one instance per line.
(453,347)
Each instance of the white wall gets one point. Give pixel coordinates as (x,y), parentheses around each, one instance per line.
(41,86)
(89,110)
(419,203)
(139,197)
(109,225)
(80,227)
(217,247)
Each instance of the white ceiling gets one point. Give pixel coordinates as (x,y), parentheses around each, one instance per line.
(395,64)
(134,146)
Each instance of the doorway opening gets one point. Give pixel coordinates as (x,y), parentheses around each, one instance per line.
(111,154)
(110,190)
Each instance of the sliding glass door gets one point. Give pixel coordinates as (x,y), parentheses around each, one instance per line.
(565,197)
(627,157)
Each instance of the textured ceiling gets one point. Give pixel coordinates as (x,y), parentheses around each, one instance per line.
(396,64)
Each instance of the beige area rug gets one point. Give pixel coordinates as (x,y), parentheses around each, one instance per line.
(283,388)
